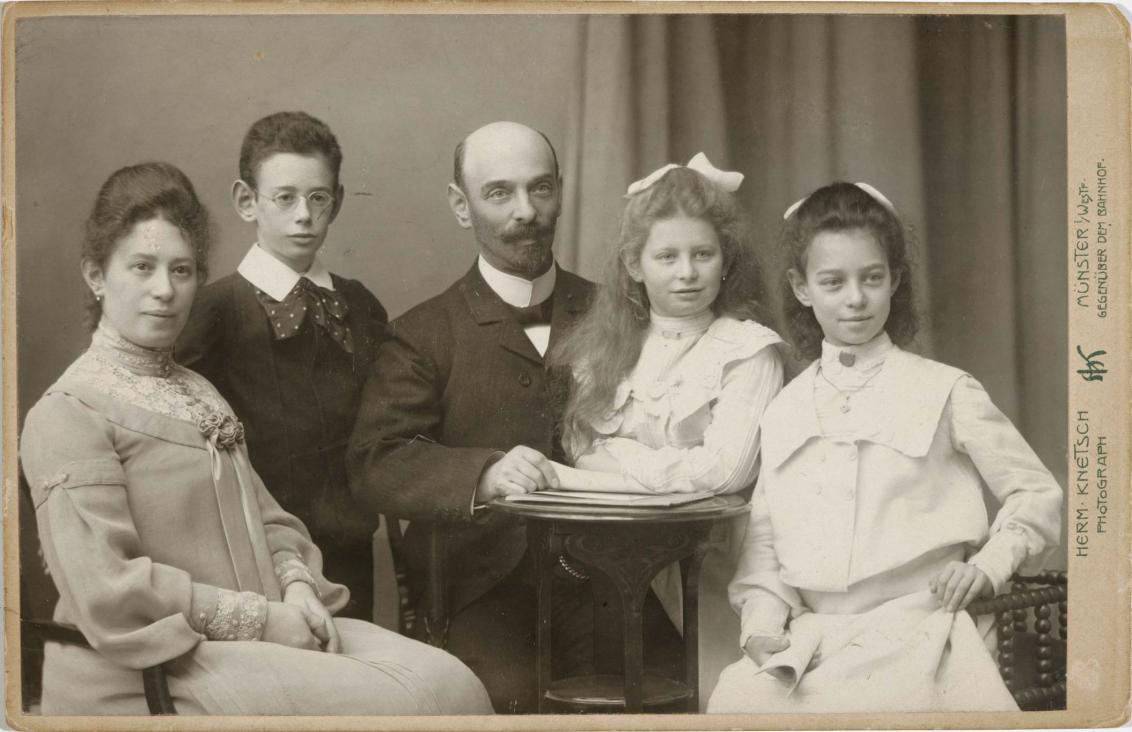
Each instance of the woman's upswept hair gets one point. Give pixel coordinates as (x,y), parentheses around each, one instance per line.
(140,193)
(606,343)
(844,207)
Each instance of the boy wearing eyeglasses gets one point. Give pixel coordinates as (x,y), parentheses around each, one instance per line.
(289,344)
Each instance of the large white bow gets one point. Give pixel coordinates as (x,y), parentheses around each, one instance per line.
(877,196)
(727,180)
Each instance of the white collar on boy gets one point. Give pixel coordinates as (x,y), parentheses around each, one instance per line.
(517,291)
(277,279)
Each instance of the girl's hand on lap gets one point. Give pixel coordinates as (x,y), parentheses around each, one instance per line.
(759,648)
(958,585)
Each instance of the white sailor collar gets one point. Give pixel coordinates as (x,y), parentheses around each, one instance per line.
(911,393)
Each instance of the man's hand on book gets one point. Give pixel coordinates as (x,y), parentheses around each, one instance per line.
(522,470)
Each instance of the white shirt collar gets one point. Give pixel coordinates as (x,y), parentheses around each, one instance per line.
(277,279)
(517,291)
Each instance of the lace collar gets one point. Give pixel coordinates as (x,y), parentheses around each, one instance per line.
(680,327)
(109,343)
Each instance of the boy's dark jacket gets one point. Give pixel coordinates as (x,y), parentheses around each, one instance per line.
(297,397)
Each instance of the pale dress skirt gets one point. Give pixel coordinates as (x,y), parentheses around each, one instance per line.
(903,654)
(378,673)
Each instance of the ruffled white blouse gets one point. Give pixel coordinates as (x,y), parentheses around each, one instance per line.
(686,419)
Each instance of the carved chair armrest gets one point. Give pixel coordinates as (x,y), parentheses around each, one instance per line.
(436,614)
(435,620)
(1012,613)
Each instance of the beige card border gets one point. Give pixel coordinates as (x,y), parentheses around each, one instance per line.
(1097,49)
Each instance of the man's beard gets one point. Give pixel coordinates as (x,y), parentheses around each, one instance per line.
(530,258)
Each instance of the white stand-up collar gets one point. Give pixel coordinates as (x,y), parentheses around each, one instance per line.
(679,326)
(517,291)
(276,279)
(866,356)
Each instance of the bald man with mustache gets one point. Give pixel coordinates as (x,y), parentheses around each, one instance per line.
(460,409)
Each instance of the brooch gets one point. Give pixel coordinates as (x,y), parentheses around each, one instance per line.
(222,430)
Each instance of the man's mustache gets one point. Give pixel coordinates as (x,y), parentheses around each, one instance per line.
(519,232)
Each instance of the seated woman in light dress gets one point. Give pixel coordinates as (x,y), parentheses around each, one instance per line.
(164,544)
(673,369)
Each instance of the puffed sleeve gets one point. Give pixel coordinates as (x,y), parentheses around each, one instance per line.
(763,601)
(134,611)
(1029,519)
(728,458)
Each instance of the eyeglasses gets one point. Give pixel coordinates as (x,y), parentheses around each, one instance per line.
(317,201)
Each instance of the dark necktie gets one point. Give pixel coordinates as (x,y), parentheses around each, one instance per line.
(326,307)
(534,314)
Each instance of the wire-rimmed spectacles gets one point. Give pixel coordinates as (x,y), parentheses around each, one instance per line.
(317,201)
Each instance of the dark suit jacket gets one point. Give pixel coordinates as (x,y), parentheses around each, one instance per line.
(457,382)
(297,398)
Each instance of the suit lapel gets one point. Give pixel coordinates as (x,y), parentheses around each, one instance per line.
(490,312)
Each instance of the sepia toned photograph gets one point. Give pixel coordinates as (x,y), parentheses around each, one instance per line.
(375,366)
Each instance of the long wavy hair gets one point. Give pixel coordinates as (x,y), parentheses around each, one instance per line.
(844,207)
(139,193)
(605,345)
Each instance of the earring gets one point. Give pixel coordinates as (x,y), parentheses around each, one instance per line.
(723,278)
(98,296)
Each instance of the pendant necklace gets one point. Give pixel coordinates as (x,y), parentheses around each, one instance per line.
(847,395)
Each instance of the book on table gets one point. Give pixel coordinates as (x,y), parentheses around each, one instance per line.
(619,500)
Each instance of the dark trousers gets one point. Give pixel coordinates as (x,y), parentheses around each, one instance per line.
(496,637)
(351,564)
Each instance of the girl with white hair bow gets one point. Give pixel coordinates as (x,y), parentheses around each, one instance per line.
(673,368)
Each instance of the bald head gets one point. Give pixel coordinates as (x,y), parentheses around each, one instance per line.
(500,136)
(507,191)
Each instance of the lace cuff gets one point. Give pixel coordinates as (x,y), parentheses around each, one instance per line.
(294,569)
(239,616)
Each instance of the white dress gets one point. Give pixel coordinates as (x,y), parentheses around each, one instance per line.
(873,481)
(687,420)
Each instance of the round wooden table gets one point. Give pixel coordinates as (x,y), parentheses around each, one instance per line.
(626,548)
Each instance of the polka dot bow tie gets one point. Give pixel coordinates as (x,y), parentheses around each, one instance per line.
(326,307)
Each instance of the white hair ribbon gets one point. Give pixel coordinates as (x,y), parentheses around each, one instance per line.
(727,180)
(793,207)
(876,195)
(880,197)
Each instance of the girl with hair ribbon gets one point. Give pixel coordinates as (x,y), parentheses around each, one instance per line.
(673,368)
(869,534)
